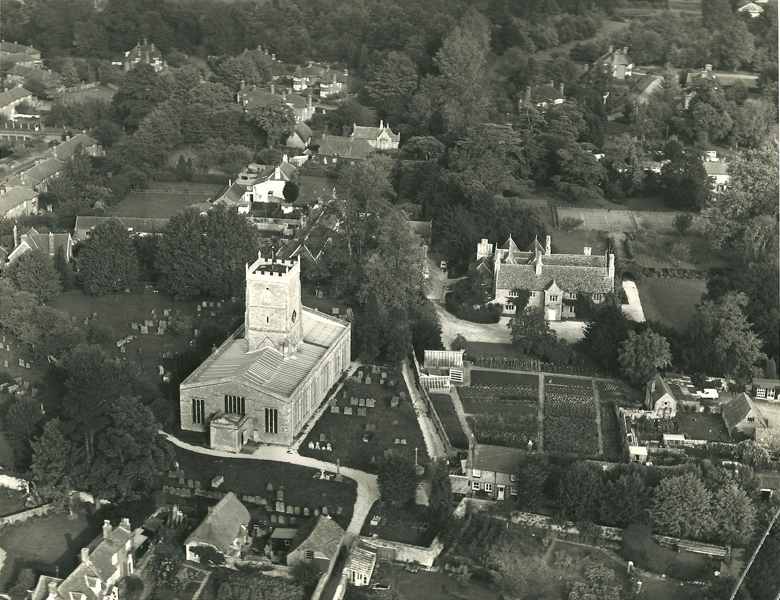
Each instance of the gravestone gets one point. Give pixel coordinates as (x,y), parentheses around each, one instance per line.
(297,511)
(371,402)
(335,410)
(397,441)
(323,437)
(347,410)
(403,441)
(361,401)
(144,330)
(269,487)
(279,507)
(282,520)
(368,379)
(361,411)
(339,510)
(353,401)
(316,512)
(311,445)
(394,402)
(329,447)
(290,510)
(305,511)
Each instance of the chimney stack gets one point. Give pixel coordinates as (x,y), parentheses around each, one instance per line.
(625,49)
(586,250)
(561,87)
(547,245)
(85,555)
(273,88)
(125,523)
(611,48)
(16,231)
(107,528)
(538,268)
(611,266)
(381,124)
(708,68)
(51,244)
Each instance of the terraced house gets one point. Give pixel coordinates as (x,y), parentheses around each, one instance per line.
(267,379)
(553,280)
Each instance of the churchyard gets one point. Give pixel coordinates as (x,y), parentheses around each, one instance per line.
(279,493)
(372,414)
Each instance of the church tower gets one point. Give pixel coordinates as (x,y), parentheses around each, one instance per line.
(273,314)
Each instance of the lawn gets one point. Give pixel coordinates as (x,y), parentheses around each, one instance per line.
(445,409)
(406,524)
(702,426)
(671,301)
(11,501)
(246,476)
(360,439)
(573,242)
(651,248)
(164,200)
(49,544)
(500,378)
(431,586)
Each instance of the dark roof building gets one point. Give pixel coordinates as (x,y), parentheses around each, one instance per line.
(335,147)
(136,225)
(322,544)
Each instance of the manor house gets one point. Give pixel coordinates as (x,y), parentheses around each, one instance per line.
(267,379)
(553,280)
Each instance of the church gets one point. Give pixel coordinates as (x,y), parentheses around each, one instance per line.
(267,380)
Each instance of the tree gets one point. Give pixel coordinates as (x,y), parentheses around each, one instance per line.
(683,507)
(67,276)
(752,454)
(141,90)
(682,222)
(391,82)
(625,500)
(52,458)
(107,261)
(604,334)
(642,354)
(276,120)
(459,343)
(600,582)
(721,339)
(529,328)
(306,573)
(685,182)
(534,472)
(441,499)
(580,492)
(397,480)
(733,45)
(734,515)
(206,255)
(34,272)
(21,422)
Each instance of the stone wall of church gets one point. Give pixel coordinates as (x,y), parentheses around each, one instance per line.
(273,308)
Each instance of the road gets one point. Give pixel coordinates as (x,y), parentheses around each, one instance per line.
(367,489)
(633,310)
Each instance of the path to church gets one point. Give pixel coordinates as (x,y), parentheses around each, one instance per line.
(367,489)
(433,443)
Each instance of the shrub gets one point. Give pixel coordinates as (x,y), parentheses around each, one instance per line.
(569,223)
(683,222)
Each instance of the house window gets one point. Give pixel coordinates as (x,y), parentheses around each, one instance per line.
(308,554)
(235,405)
(476,473)
(271,420)
(554,298)
(533,294)
(513,294)
(513,490)
(475,486)
(597,298)
(509,306)
(750,419)
(488,487)
(197,411)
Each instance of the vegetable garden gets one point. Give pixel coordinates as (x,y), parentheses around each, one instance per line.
(502,415)
(442,403)
(570,419)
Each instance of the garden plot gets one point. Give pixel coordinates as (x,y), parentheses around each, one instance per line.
(371,415)
(503,415)
(444,407)
(570,419)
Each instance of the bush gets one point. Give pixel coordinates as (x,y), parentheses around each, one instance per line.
(569,223)
(683,222)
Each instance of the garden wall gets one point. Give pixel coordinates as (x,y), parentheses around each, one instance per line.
(440,430)
(22,516)
(424,556)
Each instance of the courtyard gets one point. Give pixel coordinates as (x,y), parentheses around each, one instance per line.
(372,414)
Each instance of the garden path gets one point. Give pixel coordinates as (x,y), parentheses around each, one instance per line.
(540,435)
(597,401)
(367,488)
(433,443)
(460,411)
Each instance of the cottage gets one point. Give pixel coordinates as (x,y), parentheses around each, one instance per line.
(553,280)
(616,62)
(64,151)
(137,226)
(48,243)
(717,170)
(41,173)
(336,148)
(300,137)
(660,398)
(302,107)
(742,417)
(360,566)
(223,530)
(17,201)
(103,565)
(329,82)
(492,470)
(321,546)
(11,99)
(379,138)
(144,52)
(276,370)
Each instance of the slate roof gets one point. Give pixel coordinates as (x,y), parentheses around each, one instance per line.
(344,147)
(268,370)
(45,242)
(657,391)
(496,458)
(233,195)
(360,132)
(14,94)
(735,411)
(569,278)
(222,525)
(42,171)
(303,131)
(324,539)
(65,150)
(13,197)
(362,561)
(137,224)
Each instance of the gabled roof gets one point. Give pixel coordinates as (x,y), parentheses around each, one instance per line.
(657,388)
(14,196)
(715,168)
(324,539)
(233,195)
(344,147)
(496,458)
(14,94)
(65,150)
(222,525)
(360,132)
(48,243)
(42,171)
(267,370)
(735,411)
(570,278)
(361,561)
(303,131)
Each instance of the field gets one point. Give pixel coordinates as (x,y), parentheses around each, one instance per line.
(504,409)
(570,417)
(246,476)
(163,200)
(360,434)
(48,545)
(672,309)
(442,403)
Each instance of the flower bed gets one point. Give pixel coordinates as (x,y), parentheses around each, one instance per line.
(478,399)
(570,435)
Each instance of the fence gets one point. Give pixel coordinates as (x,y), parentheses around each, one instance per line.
(530,364)
(440,430)
(24,515)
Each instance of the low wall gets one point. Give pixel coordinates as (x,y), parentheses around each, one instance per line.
(424,556)
(24,515)
(440,430)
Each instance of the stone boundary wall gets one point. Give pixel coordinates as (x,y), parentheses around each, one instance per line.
(24,515)
(440,430)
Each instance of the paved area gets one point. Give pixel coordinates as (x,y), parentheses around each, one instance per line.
(433,443)
(367,489)
(451,326)
(570,331)
(633,310)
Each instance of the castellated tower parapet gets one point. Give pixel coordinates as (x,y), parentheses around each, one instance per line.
(273,314)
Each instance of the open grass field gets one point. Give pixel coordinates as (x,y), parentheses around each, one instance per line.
(163,200)
(246,476)
(442,403)
(48,545)
(671,301)
(573,242)
(671,250)
(361,440)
